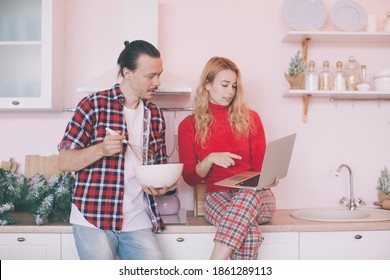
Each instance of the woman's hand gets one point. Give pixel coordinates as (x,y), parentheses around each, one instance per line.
(274,184)
(224,159)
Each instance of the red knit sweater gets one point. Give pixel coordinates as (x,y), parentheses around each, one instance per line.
(221,139)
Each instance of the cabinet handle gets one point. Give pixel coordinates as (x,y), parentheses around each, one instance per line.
(180,239)
(15,102)
(358,236)
(21,239)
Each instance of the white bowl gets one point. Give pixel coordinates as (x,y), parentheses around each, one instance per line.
(363,87)
(158,175)
(382,84)
(382,80)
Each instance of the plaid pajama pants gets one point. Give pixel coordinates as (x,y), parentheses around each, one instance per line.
(237,214)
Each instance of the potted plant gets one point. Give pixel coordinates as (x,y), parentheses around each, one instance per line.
(384,185)
(296,71)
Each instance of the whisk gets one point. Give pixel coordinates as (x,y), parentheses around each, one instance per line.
(137,150)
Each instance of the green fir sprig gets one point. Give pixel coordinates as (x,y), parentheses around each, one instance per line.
(41,198)
(296,65)
(13,189)
(384,181)
(62,191)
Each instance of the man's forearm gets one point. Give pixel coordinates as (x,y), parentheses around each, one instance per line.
(75,160)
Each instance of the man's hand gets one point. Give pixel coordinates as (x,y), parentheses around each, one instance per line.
(159,191)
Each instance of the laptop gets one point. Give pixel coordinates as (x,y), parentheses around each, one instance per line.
(275,166)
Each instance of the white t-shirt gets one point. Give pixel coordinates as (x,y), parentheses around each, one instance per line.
(134,201)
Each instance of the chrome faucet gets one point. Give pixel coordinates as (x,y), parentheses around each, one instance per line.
(351,204)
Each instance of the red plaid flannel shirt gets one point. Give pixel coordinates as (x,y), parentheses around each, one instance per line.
(99,188)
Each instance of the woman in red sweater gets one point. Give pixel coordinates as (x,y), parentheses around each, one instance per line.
(221,138)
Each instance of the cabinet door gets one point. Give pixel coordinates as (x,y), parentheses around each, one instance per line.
(351,245)
(68,247)
(31,54)
(279,246)
(32,246)
(186,246)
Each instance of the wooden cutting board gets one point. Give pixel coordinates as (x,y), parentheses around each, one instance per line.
(45,165)
(199,193)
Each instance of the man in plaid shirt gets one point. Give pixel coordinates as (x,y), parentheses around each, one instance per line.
(112,214)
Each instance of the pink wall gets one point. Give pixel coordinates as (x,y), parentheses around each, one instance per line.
(250,33)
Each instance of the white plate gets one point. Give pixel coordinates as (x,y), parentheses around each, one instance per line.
(348,15)
(304,14)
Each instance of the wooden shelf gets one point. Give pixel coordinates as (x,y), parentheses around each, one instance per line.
(306,95)
(304,37)
(337,36)
(350,95)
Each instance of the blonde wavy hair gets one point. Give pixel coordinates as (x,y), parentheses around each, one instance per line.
(239,116)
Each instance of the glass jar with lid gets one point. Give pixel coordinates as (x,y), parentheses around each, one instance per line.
(386,22)
(365,84)
(352,73)
(339,77)
(311,77)
(366,78)
(325,77)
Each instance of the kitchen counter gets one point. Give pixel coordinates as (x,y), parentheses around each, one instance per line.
(281,222)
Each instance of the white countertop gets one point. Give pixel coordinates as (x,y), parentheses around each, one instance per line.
(281,222)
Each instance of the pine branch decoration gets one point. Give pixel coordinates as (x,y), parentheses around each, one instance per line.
(5,218)
(296,64)
(61,185)
(384,181)
(13,188)
(41,198)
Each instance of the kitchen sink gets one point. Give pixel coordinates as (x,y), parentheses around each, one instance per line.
(342,214)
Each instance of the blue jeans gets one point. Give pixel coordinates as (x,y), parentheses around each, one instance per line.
(97,244)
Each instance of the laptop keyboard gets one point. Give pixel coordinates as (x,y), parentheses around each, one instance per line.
(251,182)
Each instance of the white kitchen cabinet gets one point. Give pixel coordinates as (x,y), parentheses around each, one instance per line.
(186,246)
(31,54)
(346,245)
(279,246)
(275,246)
(174,246)
(68,247)
(30,246)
